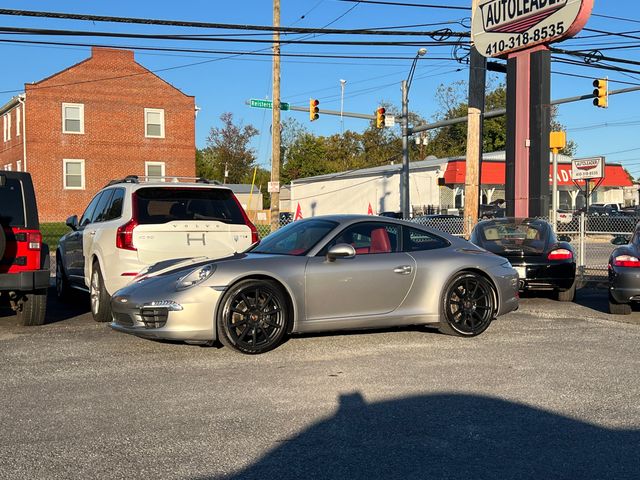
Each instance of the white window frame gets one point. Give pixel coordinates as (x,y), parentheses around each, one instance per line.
(162,165)
(81,107)
(4,127)
(66,161)
(154,110)
(18,120)
(8,125)
(18,165)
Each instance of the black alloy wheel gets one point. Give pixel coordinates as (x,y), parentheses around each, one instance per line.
(253,317)
(469,305)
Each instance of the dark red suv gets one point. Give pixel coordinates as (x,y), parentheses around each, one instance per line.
(24,269)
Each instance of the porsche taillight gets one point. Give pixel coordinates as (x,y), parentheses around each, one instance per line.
(560,254)
(626,261)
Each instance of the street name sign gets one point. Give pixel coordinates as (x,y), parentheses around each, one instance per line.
(503,26)
(259,103)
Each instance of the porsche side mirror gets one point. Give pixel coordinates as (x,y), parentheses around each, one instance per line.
(72,222)
(341,250)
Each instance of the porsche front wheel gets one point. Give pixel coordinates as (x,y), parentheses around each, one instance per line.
(253,317)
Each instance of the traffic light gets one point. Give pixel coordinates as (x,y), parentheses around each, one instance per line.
(601,92)
(313,109)
(380,117)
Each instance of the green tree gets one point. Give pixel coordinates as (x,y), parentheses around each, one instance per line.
(228,146)
(452,140)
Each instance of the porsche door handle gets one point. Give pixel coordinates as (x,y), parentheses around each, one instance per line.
(403,270)
(92,232)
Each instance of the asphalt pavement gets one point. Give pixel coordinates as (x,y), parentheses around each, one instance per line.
(550,391)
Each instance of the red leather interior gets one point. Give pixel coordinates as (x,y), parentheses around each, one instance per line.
(380,241)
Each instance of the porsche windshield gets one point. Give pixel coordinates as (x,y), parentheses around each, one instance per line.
(507,237)
(297,238)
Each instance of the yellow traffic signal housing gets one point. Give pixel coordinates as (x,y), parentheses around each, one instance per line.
(601,92)
(314,109)
(380,117)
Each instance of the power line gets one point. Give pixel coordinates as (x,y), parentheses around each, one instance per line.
(615,18)
(404,4)
(228,26)
(206,38)
(230,54)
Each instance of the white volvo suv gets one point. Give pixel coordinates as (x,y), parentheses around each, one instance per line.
(133,223)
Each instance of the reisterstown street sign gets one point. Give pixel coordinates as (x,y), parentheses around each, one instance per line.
(504,26)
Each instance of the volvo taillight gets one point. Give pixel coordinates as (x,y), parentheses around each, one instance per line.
(124,235)
(626,261)
(255,237)
(560,254)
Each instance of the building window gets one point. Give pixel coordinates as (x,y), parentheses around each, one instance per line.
(154,169)
(8,126)
(73,174)
(72,118)
(18,119)
(19,166)
(7,167)
(4,127)
(154,122)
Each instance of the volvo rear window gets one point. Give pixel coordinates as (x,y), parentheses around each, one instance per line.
(12,204)
(169,204)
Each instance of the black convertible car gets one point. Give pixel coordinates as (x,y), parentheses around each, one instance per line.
(542,261)
(624,274)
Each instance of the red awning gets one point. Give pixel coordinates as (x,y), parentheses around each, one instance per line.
(493,173)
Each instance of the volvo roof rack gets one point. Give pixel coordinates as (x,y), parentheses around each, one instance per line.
(165,179)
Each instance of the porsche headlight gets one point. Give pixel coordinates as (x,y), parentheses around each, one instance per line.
(195,277)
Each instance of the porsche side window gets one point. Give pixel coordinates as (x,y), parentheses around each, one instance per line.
(368,238)
(417,240)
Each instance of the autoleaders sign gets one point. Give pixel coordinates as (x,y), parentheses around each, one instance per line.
(585,168)
(503,26)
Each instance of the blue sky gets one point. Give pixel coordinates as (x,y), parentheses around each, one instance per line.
(223,84)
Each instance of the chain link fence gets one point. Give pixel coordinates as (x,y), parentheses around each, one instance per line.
(590,235)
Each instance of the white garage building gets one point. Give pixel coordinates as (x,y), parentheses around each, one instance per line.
(370,190)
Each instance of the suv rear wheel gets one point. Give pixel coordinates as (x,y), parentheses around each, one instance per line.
(32,308)
(100,300)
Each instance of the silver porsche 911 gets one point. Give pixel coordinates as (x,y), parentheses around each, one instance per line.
(319,274)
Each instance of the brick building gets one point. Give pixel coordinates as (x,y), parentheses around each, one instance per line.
(103,118)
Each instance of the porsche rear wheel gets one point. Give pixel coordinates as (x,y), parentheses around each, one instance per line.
(616,308)
(253,317)
(468,305)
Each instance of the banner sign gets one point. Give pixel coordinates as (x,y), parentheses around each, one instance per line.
(585,168)
(503,26)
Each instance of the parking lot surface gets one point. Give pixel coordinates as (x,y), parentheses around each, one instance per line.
(550,391)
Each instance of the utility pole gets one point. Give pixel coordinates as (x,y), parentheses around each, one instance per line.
(404,177)
(275,122)
(477,84)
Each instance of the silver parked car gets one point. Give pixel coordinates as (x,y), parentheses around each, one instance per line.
(319,274)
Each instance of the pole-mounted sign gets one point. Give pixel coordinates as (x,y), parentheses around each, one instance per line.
(503,26)
(587,168)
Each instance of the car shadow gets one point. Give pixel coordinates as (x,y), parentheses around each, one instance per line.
(57,311)
(452,436)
